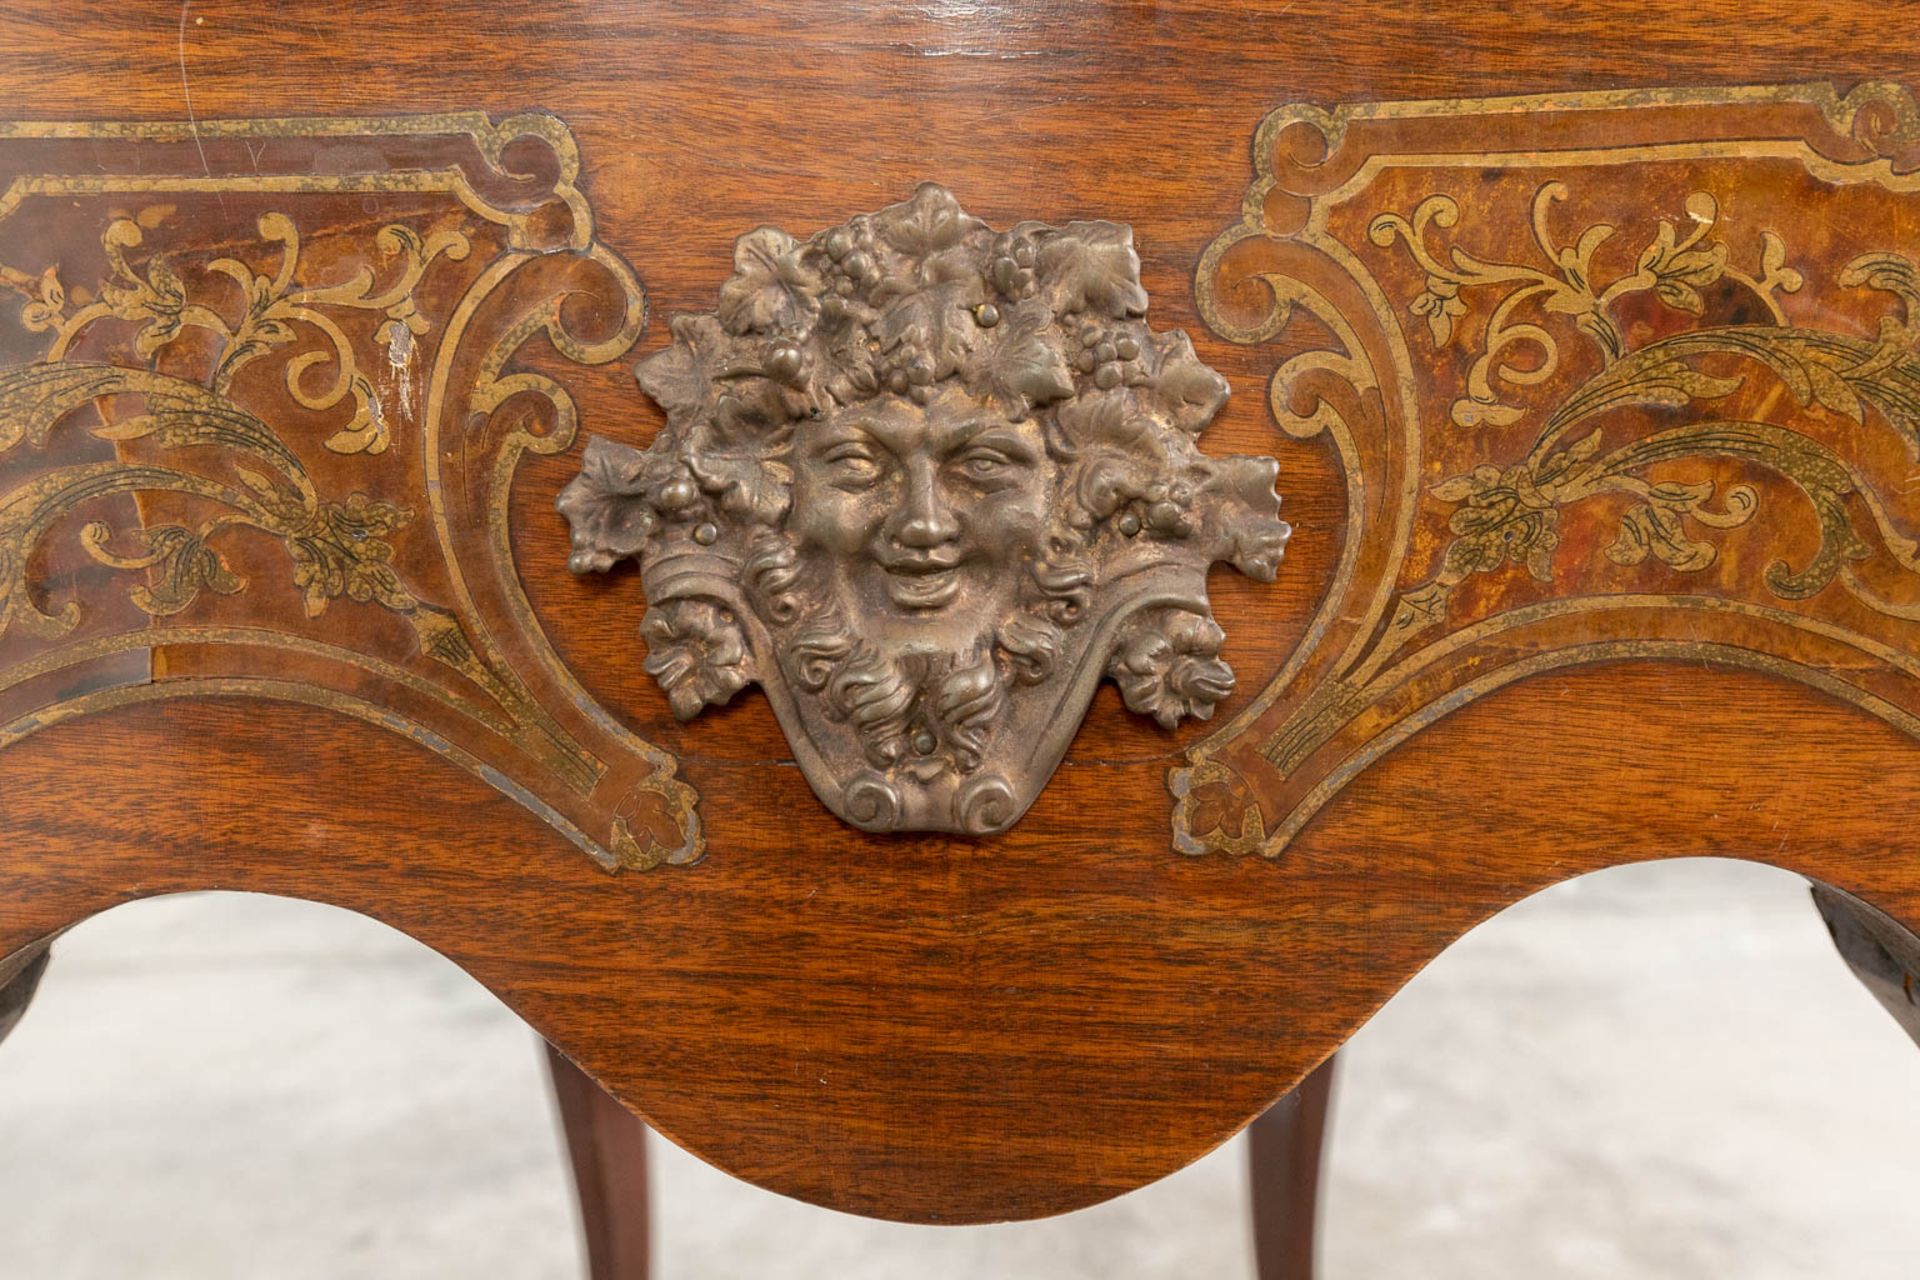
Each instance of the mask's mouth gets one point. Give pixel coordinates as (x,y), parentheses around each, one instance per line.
(922,583)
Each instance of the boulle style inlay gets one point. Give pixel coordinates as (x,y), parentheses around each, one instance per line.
(1629,375)
(242,422)
(926,483)
(1598,388)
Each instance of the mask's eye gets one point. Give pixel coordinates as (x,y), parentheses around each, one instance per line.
(985,464)
(851,464)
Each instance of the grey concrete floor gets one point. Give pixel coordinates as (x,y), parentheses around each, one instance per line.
(1661,1073)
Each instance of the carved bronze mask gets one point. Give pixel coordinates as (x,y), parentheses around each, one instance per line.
(926,482)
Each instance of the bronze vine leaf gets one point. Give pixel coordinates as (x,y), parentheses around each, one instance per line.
(934,323)
(746,486)
(1241,485)
(927,224)
(772,289)
(679,377)
(1091,266)
(1187,389)
(1108,419)
(695,649)
(1021,369)
(605,504)
(1167,665)
(846,364)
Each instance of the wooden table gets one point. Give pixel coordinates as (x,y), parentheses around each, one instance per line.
(1587,341)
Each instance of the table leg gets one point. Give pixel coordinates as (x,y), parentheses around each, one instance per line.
(607,1145)
(19,979)
(1284,1148)
(1883,953)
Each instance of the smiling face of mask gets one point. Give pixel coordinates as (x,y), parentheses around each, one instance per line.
(923,518)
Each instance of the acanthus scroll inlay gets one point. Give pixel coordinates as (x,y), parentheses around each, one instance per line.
(264,386)
(927,482)
(1612,376)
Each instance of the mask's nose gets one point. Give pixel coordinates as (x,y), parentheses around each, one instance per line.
(926,519)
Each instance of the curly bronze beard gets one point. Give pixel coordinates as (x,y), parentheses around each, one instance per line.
(891,699)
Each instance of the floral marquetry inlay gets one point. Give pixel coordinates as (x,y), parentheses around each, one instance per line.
(1612,376)
(258,431)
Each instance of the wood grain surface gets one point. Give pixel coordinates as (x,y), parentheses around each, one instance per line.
(939,1029)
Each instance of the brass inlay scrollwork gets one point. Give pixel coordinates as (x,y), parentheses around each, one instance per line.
(1673,267)
(337,548)
(171,385)
(1711,405)
(1509,515)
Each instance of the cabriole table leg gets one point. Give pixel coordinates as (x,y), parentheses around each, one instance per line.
(1882,953)
(1284,1148)
(607,1146)
(19,978)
